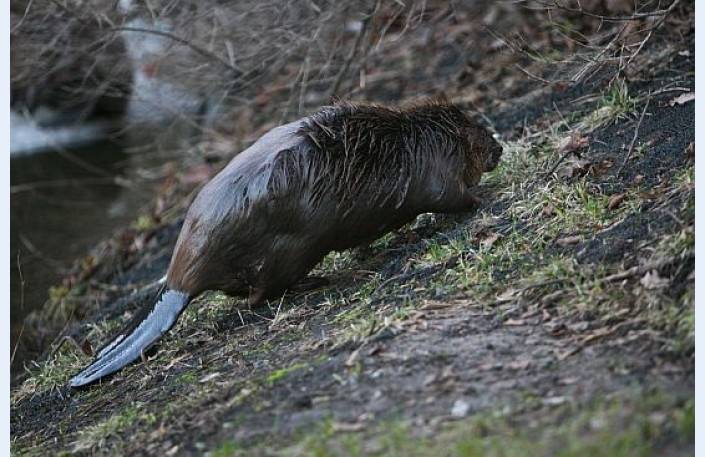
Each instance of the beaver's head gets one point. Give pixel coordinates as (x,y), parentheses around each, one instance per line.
(481,150)
(445,126)
(484,147)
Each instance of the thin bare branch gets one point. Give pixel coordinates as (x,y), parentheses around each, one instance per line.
(636,135)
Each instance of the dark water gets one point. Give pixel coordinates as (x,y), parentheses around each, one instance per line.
(61,204)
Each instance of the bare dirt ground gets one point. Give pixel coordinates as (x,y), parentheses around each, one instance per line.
(556,320)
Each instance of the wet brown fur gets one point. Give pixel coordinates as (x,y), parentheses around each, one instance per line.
(338,178)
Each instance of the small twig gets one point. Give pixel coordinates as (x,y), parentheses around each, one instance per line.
(24,16)
(558,162)
(304,81)
(68,339)
(237,72)
(19,270)
(36,252)
(636,134)
(641,269)
(557,5)
(17,344)
(353,50)
(595,63)
(19,188)
(565,121)
(634,271)
(242,321)
(407,276)
(533,76)
(638,50)
(551,171)
(670,89)
(276,315)
(673,216)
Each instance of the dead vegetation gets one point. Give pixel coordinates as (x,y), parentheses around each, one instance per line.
(558,317)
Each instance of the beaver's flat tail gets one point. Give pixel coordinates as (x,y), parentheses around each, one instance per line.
(146,328)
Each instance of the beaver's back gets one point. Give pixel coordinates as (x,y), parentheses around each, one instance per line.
(228,225)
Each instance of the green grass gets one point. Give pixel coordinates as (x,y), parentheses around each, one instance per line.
(187,378)
(278,375)
(336,261)
(54,372)
(615,104)
(145,223)
(226,449)
(207,309)
(95,436)
(63,302)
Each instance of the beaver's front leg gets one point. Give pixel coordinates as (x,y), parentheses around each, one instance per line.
(462,202)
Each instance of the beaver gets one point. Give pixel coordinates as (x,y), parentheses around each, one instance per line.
(336,179)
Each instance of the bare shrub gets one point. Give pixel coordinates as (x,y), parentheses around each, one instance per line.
(238,68)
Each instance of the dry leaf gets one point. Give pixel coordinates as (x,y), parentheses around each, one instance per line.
(690,151)
(600,168)
(549,298)
(572,143)
(548,210)
(573,166)
(568,240)
(489,240)
(519,365)
(209,377)
(651,194)
(614,201)
(86,348)
(352,359)
(560,86)
(138,243)
(508,295)
(554,401)
(435,305)
(652,280)
(348,426)
(682,99)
